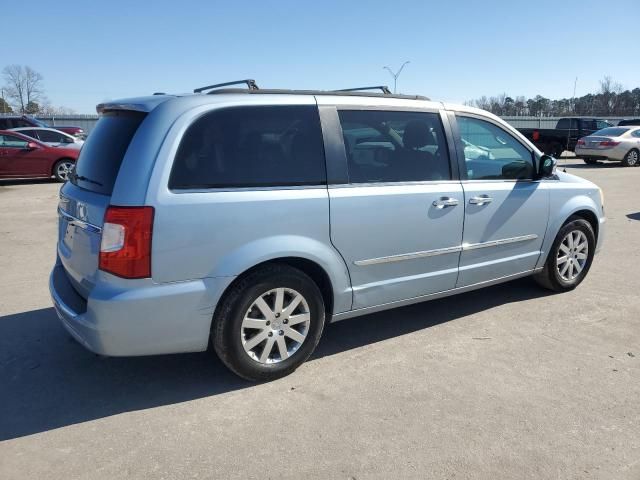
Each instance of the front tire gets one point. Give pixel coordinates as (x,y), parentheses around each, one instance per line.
(632,158)
(62,168)
(268,323)
(570,257)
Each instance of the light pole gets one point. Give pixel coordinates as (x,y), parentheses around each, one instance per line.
(396,75)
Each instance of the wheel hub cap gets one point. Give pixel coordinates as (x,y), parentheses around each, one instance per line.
(275,326)
(572,255)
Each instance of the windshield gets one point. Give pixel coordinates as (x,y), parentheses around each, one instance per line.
(611,132)
(101,156)
(40,123)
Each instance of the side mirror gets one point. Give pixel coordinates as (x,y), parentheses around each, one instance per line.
(547,166)
(31,146)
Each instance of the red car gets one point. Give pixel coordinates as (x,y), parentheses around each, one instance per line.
(24,157)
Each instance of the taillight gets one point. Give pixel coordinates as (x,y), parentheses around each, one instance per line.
(125,248)
(581,142)
(535,135)
(609,143)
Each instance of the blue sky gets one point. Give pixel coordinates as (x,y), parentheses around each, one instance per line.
(91,51)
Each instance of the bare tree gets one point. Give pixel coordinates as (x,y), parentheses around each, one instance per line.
(23,86)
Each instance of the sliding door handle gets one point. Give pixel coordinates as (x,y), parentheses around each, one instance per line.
(480,200)
(444,202)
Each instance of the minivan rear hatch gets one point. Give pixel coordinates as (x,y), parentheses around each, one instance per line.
(85,198)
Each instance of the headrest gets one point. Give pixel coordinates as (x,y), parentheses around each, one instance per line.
(417,134)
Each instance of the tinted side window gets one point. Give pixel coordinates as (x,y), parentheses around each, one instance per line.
(49,136)
(492,153)
(394,146)
(5,124)
(261,146)
(563,123)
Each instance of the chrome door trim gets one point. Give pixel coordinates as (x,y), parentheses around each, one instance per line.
(496,243)
(432,296)
(443,251)
(79,223)
(408,256)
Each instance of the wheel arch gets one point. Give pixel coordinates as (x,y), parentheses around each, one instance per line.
(581,206)
(321,262)
(315,271)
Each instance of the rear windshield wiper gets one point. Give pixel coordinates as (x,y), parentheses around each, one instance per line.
(75,176)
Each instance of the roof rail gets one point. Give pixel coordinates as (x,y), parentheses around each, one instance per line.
(384,89)
(251,85)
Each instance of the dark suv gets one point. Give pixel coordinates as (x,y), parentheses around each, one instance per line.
(7,122)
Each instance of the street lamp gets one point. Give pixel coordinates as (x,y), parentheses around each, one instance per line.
(396,75)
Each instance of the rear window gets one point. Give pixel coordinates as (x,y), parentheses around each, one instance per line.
(262,146)
(101,156)
(611,132)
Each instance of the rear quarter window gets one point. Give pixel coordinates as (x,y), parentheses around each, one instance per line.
(261,146)
(101,156)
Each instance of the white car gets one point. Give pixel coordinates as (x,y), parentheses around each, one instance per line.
(620,144)
(51,136)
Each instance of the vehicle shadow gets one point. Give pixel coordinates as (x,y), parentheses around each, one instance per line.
(49,381)
(633,216)
(581,164)
(25,181)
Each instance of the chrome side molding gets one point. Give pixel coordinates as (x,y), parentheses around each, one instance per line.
(443,251)
(496,243)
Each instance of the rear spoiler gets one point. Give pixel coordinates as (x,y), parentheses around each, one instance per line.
(139,104)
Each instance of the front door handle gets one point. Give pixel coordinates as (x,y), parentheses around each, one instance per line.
(444,202)
(480,200)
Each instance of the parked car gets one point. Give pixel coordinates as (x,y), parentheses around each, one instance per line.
(249,219)
(25,157)
(554,141)
(629,121)
(51,136)
(8,122)
(620,144)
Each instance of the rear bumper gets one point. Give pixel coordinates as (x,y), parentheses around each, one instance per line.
(143,320)
(595,154)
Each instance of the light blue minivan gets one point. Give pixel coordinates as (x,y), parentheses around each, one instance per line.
(247,219)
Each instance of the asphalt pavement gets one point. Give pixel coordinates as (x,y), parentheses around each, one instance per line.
(508,382)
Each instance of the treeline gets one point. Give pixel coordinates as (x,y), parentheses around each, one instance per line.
(611,100)
(23,92)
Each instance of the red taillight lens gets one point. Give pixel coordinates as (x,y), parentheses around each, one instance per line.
(125,248)
(609,144)
(581,142)
(535,135)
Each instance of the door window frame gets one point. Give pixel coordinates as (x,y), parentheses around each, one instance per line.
(335,149)
(462,167)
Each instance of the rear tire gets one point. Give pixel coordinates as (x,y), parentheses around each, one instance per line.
(557,150)
(62,168)
(590,161)
(257,314)
(632,158)
(568,263)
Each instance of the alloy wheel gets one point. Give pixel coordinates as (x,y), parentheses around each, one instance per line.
(63,170)
(275,326)
(572,255)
